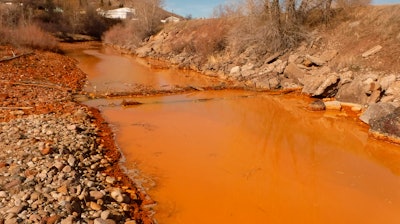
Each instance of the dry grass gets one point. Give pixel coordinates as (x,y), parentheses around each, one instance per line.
(127,35)
(365,28)
(28,36)
(202,37)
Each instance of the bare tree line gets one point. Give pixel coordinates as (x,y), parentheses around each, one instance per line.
(275,25)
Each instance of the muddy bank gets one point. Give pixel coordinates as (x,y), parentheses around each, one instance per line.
(58,159)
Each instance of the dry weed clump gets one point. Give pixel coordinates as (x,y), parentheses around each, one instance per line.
(28,36)
(201,37)
(127,35)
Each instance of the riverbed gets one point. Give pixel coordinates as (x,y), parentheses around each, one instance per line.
(239,156)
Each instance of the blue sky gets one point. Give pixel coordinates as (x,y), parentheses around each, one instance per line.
(204,8)
(198,8)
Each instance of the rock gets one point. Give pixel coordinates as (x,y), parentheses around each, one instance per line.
(247,70)
(94,206)
(388,125)
(294,73)
(63,189)
(15,209)
(71,127)
(289,84)
(333,105)
(3,194)
(96,194)
(68,220)
(35,218)
(376,111)
(67,169)
(274,83)
(353,106)
(279,66)
(272,58)
(110,180)
(130,222)
(235,71)
(346,77)
(372,51)
(315,60)
(104,221)
(317,105)
(71,160)
(321,86)
(46,151)
(393,90)
(353,92)
(324,70)
(116,194)
(328,55)
(387,81)
(52,219)
(105,214)
(11,221)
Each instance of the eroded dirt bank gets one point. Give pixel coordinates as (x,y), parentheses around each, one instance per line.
(58,160)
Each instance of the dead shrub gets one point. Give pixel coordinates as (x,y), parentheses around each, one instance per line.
(202,37)
(28,36)
(127,35)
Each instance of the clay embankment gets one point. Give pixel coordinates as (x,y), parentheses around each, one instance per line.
(58,161)
(352,62)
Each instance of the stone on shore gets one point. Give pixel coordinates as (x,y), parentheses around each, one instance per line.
(376,111)
(388,125)
(317,105)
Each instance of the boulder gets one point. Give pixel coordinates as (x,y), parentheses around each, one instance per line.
(321,86)
(317,105)
(362,90)
(388,125)
(376,111)
(294,73)
(315,60)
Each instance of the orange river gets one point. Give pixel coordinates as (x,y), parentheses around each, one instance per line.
(243,157)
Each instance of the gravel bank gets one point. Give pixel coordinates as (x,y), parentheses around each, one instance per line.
(58,161)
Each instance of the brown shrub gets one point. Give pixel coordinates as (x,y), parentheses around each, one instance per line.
(126,35)
(202,37)
(28,36)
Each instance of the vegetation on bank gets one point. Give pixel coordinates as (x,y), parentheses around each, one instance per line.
(29,23)
(266,26)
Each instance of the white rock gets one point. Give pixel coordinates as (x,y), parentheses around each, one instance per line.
(333,105)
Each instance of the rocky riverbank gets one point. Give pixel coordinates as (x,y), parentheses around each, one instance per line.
(353,62)
(58,161)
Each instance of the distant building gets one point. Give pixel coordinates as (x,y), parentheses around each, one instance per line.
(120,13)
(171,19)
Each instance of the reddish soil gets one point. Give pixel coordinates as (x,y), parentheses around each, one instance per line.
(41,82)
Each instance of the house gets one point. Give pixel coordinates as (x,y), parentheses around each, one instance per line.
(171,19)
(120,13)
